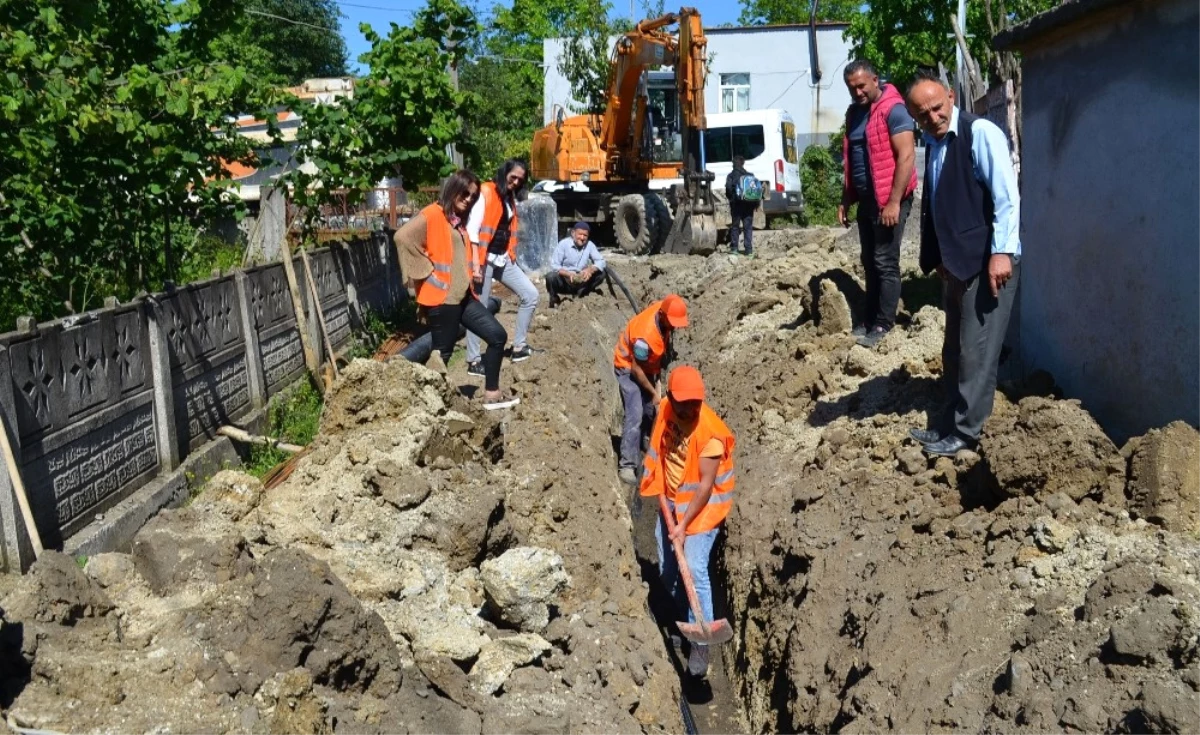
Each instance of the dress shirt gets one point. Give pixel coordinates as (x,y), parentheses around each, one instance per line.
(993,167)
(567,257)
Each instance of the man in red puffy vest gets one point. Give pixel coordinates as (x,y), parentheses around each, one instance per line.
(880,174)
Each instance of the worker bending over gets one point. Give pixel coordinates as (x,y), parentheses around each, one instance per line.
(637,361)
(691,460)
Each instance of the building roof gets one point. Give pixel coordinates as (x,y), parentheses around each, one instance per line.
(1069,13)
(823,25)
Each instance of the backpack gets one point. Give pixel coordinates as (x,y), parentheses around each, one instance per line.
(749,189)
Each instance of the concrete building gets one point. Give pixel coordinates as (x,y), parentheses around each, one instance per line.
(1109,301)
(752,69)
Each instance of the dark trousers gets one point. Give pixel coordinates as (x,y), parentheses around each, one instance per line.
(881,262)
(976,323)
(444,322)
(556,285)
(421,348)
(743,220)
(639,418)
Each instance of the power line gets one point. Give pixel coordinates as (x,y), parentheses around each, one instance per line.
(293,22)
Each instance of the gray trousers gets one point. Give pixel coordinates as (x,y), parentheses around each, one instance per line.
(639,419)
(515,279)
(976,323)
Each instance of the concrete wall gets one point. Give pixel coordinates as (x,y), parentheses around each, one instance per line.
(777,59)
(99,405)
(1109,301)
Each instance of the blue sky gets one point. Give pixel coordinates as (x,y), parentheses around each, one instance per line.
(380,13)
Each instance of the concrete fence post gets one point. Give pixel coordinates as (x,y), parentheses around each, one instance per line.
(257,378)
(166,433)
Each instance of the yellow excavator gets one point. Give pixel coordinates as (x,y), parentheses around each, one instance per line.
(639,166)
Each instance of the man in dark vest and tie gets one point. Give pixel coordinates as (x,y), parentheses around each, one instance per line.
(970,218)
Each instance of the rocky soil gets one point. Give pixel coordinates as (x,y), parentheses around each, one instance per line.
(432,568)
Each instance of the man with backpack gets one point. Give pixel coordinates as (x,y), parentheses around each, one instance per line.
(745,193)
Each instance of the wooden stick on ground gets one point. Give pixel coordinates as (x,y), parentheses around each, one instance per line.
(19,488)
(246,437)
(316,296)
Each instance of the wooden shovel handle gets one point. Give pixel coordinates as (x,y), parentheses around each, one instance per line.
(685,572)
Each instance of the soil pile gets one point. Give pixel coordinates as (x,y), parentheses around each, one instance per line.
(1047,582)
(408,577)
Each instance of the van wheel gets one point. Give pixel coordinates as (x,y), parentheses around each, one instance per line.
(635,224)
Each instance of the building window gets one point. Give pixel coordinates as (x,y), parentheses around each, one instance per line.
(735,92)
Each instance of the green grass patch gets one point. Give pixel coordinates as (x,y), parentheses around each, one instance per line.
(294,417)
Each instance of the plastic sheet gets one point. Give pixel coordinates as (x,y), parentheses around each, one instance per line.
(539,232)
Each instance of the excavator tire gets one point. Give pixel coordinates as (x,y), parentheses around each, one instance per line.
(635,225)
(662,219)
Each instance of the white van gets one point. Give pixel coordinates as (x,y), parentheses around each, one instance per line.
(767,138)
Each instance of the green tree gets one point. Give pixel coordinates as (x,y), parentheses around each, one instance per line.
(116,120)
(506,69)
(298,50)
(587,56)
(403,114)
(778,12)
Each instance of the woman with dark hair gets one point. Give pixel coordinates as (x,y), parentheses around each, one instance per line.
(437,268)
(492,229)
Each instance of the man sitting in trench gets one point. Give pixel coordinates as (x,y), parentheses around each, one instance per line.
(576,267)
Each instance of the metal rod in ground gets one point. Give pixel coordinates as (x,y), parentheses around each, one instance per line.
(246,437)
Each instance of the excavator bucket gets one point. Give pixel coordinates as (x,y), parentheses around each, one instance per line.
(692,233)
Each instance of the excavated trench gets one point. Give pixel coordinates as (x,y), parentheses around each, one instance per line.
(428,567)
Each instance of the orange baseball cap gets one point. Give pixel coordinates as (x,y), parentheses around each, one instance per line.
(675,310)
(685,384)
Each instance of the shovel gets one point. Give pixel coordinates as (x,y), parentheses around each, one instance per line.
(701,631)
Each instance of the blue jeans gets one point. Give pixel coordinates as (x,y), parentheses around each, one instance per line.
(696,550)
(515,279)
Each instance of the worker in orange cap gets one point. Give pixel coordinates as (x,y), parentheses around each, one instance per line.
(637,360)
(690,458)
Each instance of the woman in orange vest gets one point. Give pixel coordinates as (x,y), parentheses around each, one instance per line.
(690,459)
(437,268)
(492,228)
(637,360)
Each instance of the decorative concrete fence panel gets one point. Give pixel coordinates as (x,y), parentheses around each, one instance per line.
(78,398)
(274,319)
(209,375)
(331,288)
(98,405)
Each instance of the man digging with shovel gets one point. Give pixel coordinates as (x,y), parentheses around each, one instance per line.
(689,466)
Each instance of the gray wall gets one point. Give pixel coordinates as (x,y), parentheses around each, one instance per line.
(1109,304)
(777,60)
(98,405)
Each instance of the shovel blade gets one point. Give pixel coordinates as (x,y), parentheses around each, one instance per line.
(719,631)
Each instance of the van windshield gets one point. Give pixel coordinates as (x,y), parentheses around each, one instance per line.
(723,143)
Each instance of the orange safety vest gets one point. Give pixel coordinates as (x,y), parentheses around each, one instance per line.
(493,212)
(654,475)
(643,326)
(440,249)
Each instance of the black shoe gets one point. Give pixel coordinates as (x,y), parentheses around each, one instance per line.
(475,368)
(873,337)
(948,447)
(925,436)
(524,353)
(859,331)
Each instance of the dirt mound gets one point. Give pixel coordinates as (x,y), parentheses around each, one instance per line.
(350,597)
(1164,477)
(858,570)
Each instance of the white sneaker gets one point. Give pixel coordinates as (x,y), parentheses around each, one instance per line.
(627,476)
(495,404)
(698,660)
